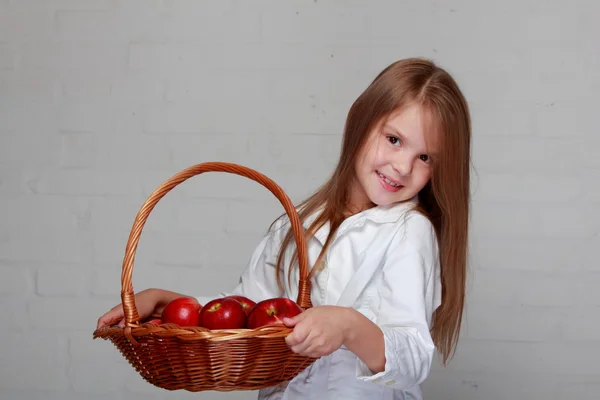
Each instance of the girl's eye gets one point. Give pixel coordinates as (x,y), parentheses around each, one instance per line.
(394,140)
(425,158)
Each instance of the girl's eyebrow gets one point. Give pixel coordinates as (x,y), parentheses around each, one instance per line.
(394,130)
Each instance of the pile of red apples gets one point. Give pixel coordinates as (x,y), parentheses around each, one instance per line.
(231,312)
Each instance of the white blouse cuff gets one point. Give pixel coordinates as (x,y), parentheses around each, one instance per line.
(403,368)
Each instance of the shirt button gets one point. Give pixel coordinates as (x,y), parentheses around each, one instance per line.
(390,382)
(376,380)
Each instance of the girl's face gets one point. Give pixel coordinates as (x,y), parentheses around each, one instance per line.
(395,163)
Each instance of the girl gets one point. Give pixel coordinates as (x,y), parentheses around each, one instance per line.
(387,239)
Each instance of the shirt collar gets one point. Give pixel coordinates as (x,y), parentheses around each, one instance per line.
(379,214)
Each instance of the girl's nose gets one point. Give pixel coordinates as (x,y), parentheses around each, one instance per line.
(403,166)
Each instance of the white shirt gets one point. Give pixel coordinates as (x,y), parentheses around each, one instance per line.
(384,264)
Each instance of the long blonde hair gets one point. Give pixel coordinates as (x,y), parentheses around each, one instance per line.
(445,200)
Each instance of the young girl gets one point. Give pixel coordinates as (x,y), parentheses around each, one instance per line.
(387,239)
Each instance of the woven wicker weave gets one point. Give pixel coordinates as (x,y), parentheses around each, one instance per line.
(195,358)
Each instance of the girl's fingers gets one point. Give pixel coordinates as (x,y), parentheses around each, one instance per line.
(298,335)
(110,317)
(105,320)
(303,345)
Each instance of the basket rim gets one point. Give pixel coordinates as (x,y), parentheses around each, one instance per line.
(193,332)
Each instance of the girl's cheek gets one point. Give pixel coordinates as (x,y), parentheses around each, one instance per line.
(425,173)
(381,154)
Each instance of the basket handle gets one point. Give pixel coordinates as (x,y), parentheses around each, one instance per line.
(127,295)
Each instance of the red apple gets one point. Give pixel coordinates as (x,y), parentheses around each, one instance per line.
(244,301)
(183,311)
(223,313)
(156,321)
(272,311)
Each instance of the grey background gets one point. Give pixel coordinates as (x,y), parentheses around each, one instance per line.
(102,100)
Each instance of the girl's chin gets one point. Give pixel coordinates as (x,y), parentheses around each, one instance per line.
(383,198)
(380,200)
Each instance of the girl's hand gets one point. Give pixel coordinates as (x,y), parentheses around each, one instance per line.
(147,302)
(318,331)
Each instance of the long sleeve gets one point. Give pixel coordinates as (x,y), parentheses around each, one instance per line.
(258,279)
(409,293)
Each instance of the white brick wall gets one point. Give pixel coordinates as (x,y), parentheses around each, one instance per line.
(102,100)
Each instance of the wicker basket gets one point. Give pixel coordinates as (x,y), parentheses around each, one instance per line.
(195,358)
